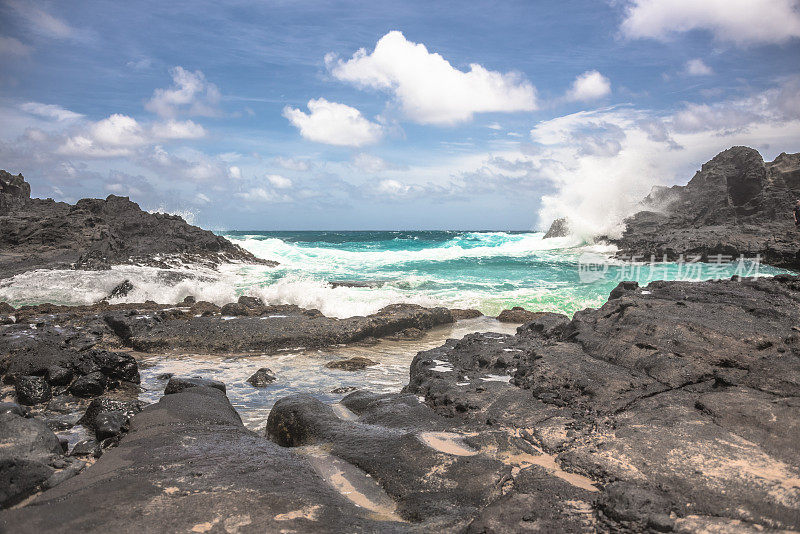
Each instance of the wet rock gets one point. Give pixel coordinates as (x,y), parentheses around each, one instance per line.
(121,290)
(204,309)
(90,385)
(108,418)
(189,299)
(622,288)
(27,438)
(64,404)
(262,378)
(178,384)
(164,376)
(32,390)
(517,314)
(356,363)
(558,228)
(545,325)
(459,314)
(6,308)
(118,366)
(58,375)
(13,408)
(254,304)
(343,389)
(87,447)
(234,309)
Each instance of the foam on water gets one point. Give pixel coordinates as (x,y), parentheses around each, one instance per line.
(489,271)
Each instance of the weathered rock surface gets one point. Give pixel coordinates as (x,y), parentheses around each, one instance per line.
(517,314)
(262,378)
(559,228)
(187,465)
(291,329)
(95,234)
(357,363)
(735,205)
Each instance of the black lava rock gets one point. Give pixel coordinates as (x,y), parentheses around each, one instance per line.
(262,378)
(32,390)
(177,384)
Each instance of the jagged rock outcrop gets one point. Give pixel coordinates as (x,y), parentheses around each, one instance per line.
(559,228)
(96,233)
(734,205)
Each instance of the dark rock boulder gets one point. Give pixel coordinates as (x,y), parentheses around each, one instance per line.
(735,205)
(459,314)
(262,378)
(108,418)
(89,385)
(121,290)
(517,314)
(32,390)
(178,384)
(234,309)
(13,408)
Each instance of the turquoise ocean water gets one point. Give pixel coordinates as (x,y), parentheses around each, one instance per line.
(356,273)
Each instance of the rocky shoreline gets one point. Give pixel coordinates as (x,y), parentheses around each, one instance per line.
(673,407)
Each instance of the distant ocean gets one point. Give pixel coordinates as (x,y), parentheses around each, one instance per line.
(356,273)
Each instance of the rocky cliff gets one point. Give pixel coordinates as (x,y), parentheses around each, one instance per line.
(96,233)
(736,204)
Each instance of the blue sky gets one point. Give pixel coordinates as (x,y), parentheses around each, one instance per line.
(388,115)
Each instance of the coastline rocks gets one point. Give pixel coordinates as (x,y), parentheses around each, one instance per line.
(262,378)
(95,234)
(108,418)
(356,363)
(178,384)
(517,314)
(734,205)
(89,385)
(459,314)
(280,327)
(121,290)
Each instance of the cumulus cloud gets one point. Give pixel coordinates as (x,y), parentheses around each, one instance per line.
(113,136)
(189,94)
(370,163)
(588,86)
(428,89)
(334,124)
(697,67)
(742,22)
(10,46)
(50,111)
(279,182)
(235,172)
(393,188)
(173,129)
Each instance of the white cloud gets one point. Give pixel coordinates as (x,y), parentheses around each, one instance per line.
(427,87)
(260,194)
(190,94)
(10,46)
(113,136)
(200,197)
(697,67)
(173,129)
(235,172)
(590,85)
(334,124)
(742,22)
(50,111)
(393,188)
(494,126)
(603,162)
(293,164)
(279,182)
(369,163)
(118,130)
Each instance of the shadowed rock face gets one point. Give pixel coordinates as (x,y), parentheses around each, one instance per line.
(95,233)
(735,205)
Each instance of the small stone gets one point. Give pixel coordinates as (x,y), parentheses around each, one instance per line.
(234,309)
(261,378)
(356,363)
(189,300)
(110,425)
(32,390)
(118,366)
(341,390)
(121,290)
(87,447)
